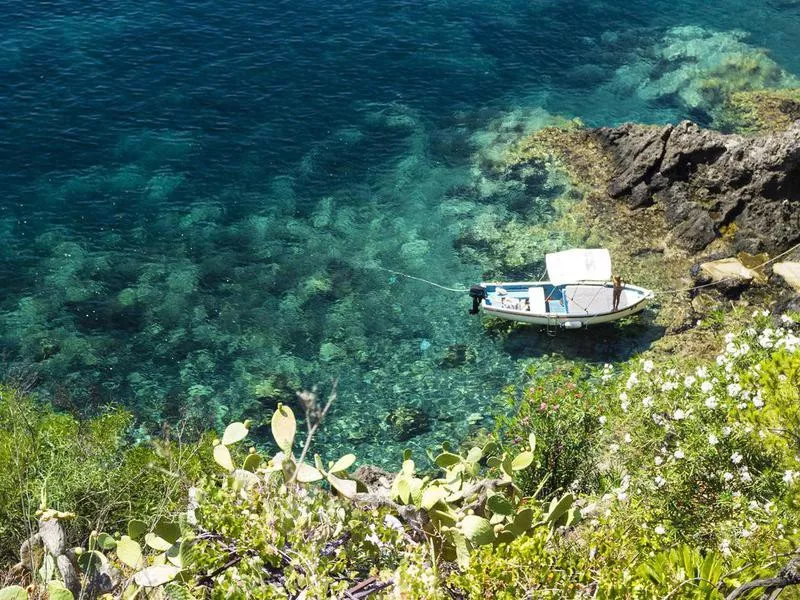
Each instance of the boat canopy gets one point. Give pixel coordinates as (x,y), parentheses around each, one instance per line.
(578,264)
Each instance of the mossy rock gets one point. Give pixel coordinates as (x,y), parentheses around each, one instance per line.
(759,111)
(407,421)
(456,355)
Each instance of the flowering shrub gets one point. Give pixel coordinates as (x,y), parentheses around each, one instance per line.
(713,447)
(560,410)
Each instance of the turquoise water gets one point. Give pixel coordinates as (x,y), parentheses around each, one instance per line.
(194,196)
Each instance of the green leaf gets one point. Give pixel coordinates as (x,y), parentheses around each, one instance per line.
(306,473)
(506,536)
(284,428)
(91,561)
(532,441)
(522,521)
(462,552)
(57,591)
(129,552)
(477,530)
(343,463)
(404,490)
(507,466)
(447,459)
(346,487)
(223,457)
(522,461)
(559,506)
(106,542)
(489,448)
(155,576)
(13,592)
(408,467)
(137,528)
(499,504)
(474,454)
(406,454)
(234,432)
(157,542)
(493,462)
(432,495)
(168,530)
(180,554)
(175,591)
(252,462)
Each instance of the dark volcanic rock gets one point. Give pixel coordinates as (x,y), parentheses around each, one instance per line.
(706,180)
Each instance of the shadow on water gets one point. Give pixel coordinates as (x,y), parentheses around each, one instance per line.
(609,342)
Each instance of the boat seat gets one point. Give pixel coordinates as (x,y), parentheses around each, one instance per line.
(536,300)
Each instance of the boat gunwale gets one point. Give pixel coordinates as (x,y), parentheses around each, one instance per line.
(645,296)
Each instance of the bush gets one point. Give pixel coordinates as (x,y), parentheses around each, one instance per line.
(561,410)
(89,467)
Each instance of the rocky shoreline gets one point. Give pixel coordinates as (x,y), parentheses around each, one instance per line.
(711,184)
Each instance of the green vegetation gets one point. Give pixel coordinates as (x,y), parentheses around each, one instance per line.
(86,467)
(759,111)
(670,478)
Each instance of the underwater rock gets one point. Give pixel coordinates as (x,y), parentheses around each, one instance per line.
(790,272)
(456,355)
(707,181)
(407,422)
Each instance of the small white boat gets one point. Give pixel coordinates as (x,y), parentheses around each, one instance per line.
(579,293)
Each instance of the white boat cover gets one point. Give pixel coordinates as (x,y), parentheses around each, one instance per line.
(578,264)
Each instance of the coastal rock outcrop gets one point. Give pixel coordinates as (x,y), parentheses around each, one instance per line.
(708,182)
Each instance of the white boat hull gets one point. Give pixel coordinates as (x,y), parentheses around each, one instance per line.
(578,305)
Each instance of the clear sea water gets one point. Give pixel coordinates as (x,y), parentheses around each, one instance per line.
(195,195)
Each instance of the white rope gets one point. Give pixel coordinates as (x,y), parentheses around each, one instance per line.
(457,290)
(713,283)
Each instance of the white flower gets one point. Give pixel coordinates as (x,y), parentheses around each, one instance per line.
(647,401)
(712,439)
(706,386)
(786,319)
(660,530)
(678,453)
(711,402)
(741,405)
(744,473)
(725,547)
(788,477)
(669,386)
(758,402)
(727,476)
(647,366)
(729,337)
(702,372)
(660,481)
(679,415)
(628,438)
(689,380)
(726,431)
(613,448)
(632,380)
(734,389)
(736,458)
(602,419)
(659,461)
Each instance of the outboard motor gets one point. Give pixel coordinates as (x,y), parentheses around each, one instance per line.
(478,294)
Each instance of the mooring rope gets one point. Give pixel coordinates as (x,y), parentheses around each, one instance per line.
(713,283)
(677,291)
(457,290)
